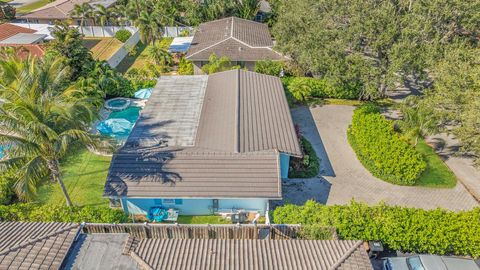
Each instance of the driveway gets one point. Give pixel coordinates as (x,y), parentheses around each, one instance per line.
(343,178)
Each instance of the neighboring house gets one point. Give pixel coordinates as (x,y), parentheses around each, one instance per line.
(27,41)
(60,10)
(41,245)
(35,245)
(244,42)
(207,144)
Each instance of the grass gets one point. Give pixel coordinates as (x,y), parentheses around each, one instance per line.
(32,6)
(437,174)
(103,48)
(84,175)
(140,58)
(202,220)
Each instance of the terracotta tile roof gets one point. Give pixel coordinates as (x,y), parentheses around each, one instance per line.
(25,50)
(250,254)
(8,30)
(230,149)
(238,39)
(35,245)
(61,9)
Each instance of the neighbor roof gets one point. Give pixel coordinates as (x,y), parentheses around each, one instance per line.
(23,39)
(250,254)
(238,39)
(35,245)
(222,141)
(61,9)
(23,51)
(8,30)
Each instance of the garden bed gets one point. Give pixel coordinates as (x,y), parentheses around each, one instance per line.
(307,166)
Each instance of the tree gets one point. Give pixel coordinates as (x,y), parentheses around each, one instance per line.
(40,125)
(216,64)
(83,11)
(248,9)
(418,120)
(104,16)
(68,44)
(149,27)
(158,54)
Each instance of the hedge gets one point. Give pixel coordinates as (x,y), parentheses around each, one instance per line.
(60,213)
(381,150)
(304,88)
(400,228)
(269,67)
(123,35)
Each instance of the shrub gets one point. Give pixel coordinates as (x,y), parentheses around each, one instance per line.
(60,213)
(218,64)
(306,166)
(185,67)
(381,150)
(400,228)
(269,67)
(123,35)
(304,88)
(165,43)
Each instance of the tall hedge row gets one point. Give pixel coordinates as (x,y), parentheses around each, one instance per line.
(60,213)
(381,150)
(406,229)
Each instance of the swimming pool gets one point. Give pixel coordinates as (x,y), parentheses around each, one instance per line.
(117,104)
(1,152)
(119,124)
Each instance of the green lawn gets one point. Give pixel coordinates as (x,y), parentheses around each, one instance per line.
(32,6)
(437,174)
(140,58)
(202,220)
(84,175)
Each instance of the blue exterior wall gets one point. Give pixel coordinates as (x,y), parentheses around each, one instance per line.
(140,206)
(284,165)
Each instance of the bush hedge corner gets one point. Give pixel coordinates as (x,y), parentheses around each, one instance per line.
(123,35)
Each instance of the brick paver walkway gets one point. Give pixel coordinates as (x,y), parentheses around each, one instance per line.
(343,177)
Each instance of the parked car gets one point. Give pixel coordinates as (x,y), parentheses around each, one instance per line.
(428,262)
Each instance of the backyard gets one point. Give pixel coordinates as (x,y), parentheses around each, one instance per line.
(140,58)
(102,48)
(32,6)
(84,174)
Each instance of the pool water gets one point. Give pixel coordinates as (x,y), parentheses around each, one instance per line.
(115,125)
(1,152)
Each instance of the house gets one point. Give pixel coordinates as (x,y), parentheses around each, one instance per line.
(35,245)
(61,10)
(243,41)
(54,245)
(26,41)
(207,144)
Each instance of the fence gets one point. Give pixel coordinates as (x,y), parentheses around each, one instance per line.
(167,231)
(175,31)
(123,51)
(105,31)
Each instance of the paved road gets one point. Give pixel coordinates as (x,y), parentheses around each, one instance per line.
(343,177)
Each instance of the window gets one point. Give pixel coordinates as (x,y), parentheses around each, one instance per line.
(415,263)
(168,201)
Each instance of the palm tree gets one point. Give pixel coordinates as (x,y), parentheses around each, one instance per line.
(159,55)
(149,26)
(83,12)
(39,125)
(104,16)
(248,9)
(418,120)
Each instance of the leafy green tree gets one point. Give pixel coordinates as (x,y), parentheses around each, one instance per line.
(68,44)
(185,67)
(158,54)
(83,11)
(40,124)
(104,16)
(248,9)
(149,26)
(217,64)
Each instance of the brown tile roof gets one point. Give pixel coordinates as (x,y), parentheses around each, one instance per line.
(8,30)
(25,50)
(244,122)
(57,10)
(250,254)
(35,245)
(238,39)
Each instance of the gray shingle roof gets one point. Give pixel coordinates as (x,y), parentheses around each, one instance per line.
(35,245)
(244,122)
(250,254)
(24,38)
(239,39)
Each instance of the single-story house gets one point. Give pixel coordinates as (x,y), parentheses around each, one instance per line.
(27,41)
(243,41)
(207,144)
(61,10)
(54,246)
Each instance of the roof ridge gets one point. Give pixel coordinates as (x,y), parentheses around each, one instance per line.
(32,241)
(346,255)
(237,113)
(140,261)
(206,48)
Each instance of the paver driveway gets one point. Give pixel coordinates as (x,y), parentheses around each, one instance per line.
(343,177)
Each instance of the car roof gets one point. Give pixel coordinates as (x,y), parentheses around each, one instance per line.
(433,262)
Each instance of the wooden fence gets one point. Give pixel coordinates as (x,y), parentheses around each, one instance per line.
(168,231)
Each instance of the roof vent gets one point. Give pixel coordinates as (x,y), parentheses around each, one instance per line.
(240,49)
